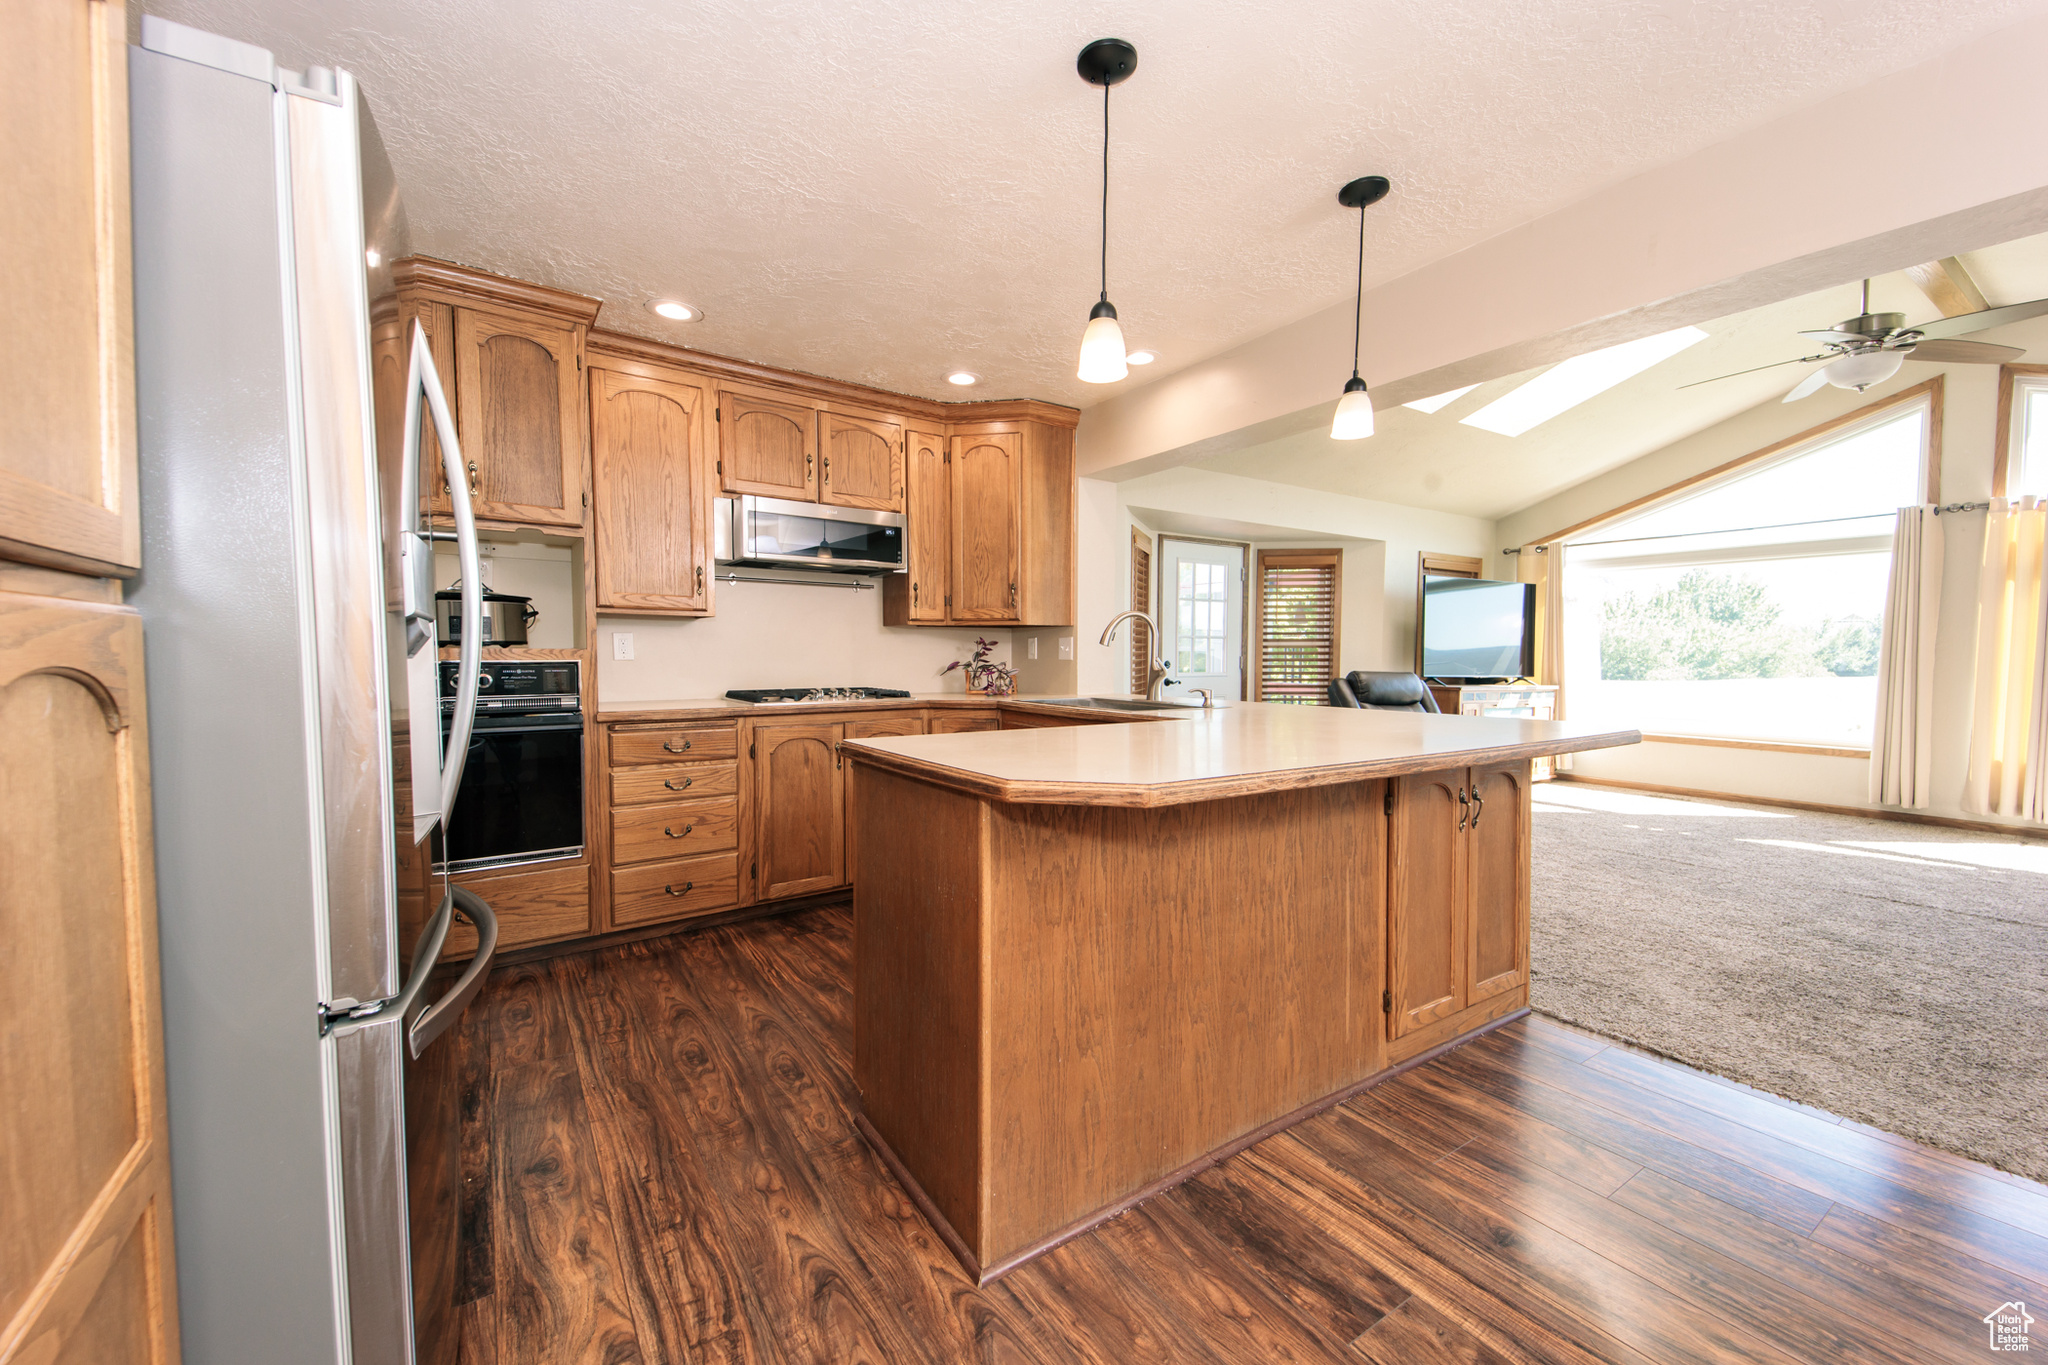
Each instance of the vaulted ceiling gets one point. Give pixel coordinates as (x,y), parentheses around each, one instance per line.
(886,190)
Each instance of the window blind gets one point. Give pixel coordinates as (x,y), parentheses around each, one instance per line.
(1298,601)
(1141,634)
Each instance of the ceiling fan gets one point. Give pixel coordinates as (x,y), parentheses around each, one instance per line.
(1869,348)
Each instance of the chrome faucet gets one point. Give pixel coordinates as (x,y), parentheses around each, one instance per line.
(1157,669)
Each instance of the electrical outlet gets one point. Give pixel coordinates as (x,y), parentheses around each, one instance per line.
(1066,646)
(622,644)
(1031,648)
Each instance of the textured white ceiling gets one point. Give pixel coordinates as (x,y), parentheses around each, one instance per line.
(1434,460)
(887,189)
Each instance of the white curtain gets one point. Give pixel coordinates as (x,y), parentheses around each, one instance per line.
(1902,742)
(2008,772)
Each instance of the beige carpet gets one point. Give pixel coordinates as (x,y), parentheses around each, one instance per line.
(1892,973)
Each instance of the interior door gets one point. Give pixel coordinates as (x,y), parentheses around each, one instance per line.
(1499,837)
(800,792)
(519,394)
(929,521)
(1427,900)
(86,1260)
(860,462)
(653,513)
(1201,619)
(987,525)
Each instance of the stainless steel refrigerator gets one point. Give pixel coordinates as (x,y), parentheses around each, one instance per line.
(287,604)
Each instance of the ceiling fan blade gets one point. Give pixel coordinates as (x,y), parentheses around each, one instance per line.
(1949,352)
(1834,337)
(1964,323)
(1807,387)
(1796,360)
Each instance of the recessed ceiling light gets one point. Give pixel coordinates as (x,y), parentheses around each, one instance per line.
(1571,382)
(674,310)
(1141,357)
(963,378)
(1441,401)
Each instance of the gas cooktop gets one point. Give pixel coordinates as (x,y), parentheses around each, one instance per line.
(770,696)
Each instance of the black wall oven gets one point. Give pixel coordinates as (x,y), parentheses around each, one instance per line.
(522,787)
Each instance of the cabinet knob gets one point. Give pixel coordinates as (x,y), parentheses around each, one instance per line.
(673,835)
(670,746)
(671,784)
(670,888)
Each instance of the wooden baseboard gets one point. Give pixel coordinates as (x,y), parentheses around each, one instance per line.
(592,942)
(984,1275)
(1910,817)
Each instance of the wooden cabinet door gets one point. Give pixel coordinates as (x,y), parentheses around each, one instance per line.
(650,467)
(898,724)
(437,320)
(767,444)
(965,723)
(86,1267)
(1497,955)
(1427,901)
(987,526)
(67,364)
(929,526)
(860,462)
(518,393)
(800,797)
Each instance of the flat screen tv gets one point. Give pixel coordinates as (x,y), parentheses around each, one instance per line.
(1477,630)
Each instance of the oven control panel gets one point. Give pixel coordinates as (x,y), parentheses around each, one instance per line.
(540,682)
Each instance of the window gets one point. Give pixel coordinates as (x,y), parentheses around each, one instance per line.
(2026,436)
(1751,608)
(1298,597)
(1202,598)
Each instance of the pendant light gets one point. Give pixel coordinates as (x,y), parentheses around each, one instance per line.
(1353,421)
(1104,62)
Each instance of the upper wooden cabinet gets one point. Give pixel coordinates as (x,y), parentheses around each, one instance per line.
(67,370)
(650,441)
(512,354)
(999,499)
(860,461)
(767,444)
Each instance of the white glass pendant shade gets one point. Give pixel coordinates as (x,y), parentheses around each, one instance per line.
(1865,368)
(1353,421)
(1102,348)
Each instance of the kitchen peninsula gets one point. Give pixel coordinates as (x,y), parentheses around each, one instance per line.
(1091,960)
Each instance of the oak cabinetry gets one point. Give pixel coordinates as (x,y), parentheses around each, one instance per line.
(799,776)
(67,458)
(987,530)
(965,722)
(767,443)
(900,723)
(539,904)
(929,529)
(860,461)
(1457,892)
(676,824)
(650,441)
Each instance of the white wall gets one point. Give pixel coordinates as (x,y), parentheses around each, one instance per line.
(1969,431)
(1381,544)
(545,573)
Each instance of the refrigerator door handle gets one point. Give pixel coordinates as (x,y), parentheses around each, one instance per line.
(347,1016)
(436,1018)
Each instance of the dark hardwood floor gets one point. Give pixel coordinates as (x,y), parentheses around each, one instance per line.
(661,1165)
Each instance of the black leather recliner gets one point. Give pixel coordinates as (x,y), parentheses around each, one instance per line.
(1382,692)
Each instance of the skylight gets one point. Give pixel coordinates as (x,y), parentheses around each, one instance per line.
(1569,383)
(1441,401)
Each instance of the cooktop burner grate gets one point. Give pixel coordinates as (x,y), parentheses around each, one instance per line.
(769,696)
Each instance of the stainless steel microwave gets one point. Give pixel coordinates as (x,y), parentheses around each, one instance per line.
(774,532)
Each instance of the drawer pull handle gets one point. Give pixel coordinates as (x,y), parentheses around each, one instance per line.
(673,835)
(671,785)
(670,746)
(684,892)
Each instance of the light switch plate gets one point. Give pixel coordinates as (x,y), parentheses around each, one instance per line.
(1066,646)
(1031,650)
(622,644)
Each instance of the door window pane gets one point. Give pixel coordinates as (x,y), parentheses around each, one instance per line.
(1199,642)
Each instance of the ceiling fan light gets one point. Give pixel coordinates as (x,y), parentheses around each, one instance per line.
(1864,368)
(1353,421)
(1103,360)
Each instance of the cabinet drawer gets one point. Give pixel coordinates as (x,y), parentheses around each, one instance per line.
(671,890)
(962,723)
(644,833)
(673,782)
(668,743)
(531,907)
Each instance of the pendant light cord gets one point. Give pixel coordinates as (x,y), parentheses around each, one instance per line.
(1358,306)
(1105,192)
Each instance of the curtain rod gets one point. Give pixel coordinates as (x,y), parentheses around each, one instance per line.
(855,584)
(1963,507)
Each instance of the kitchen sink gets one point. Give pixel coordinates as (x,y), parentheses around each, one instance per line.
(1108,704)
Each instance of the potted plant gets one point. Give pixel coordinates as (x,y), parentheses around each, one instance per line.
(984,675)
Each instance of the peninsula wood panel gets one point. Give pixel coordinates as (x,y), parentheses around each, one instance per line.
(767,444)
(650,439)
(800,794)
(860,461)
(912,723)
(1428,900)
(67,366)
(86,1262)
(519,396)
(987,525)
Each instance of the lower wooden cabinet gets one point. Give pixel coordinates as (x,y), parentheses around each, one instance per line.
(645,834)
(653,892)
(966,722)
(900,723)
(800,797)
(1457,892)
(676,825)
